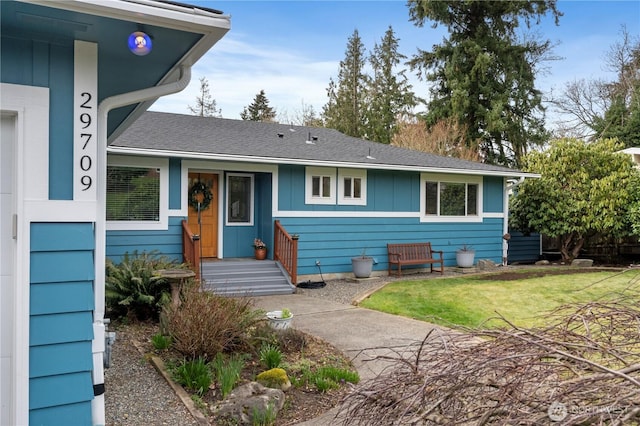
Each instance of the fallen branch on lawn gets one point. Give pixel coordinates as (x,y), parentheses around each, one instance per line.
(583,368)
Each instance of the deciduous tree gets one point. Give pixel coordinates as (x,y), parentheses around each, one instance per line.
(205,104)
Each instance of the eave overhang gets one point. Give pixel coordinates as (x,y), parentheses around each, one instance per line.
(116,150)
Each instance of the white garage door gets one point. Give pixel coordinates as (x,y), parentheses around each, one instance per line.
(7,266)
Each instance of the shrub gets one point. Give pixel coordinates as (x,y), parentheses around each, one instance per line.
(205,324)
(270,355)
(194,375)
(131,289)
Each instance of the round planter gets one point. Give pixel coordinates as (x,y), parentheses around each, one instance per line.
(362,266)
(277,322)
(465,258)
(260,254)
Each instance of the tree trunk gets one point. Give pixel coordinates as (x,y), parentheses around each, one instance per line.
(570,246)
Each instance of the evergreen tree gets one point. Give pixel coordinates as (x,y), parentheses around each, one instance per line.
(205,104)
(483,75)
(345,109)
(259,109)
(389,93)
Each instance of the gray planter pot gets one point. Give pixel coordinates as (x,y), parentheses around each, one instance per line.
(465,258)
(362,266)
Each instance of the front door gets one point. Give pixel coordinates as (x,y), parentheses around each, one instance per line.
(203,189)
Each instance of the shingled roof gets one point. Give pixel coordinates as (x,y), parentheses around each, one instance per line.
(187,136)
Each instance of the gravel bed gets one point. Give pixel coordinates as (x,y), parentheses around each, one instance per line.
(348,291)
(136,394)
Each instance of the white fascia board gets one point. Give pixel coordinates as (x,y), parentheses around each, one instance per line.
(318,163)
(149,12)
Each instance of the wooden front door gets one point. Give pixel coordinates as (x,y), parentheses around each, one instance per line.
(207,226)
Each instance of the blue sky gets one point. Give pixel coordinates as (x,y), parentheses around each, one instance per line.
(292,48)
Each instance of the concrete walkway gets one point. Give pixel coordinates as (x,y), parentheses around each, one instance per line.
(361,334)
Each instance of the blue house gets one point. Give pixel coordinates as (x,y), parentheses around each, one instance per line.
(341,196)
(74,75)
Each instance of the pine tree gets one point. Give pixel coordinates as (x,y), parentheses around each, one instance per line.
(389,92)
(483,75)
(345,109)
(205,104)
(259,109)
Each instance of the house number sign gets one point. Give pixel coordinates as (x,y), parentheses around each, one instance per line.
(85,110)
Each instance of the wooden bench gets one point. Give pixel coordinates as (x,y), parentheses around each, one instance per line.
(413,254)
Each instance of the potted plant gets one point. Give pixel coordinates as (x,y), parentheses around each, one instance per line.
(465,256)
(260,249)
(362,265)
(280,320)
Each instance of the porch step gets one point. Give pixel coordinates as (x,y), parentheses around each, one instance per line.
(245,278)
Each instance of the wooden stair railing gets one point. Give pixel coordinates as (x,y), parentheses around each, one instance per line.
(191,249)
(285,251)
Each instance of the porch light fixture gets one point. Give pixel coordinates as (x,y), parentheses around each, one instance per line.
(140,43)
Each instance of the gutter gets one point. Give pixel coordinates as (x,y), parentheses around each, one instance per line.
(98,344)
(505,227)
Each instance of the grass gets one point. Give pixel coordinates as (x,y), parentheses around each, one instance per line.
(471,301)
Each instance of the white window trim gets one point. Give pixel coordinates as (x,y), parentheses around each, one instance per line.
(433,177)
(308,187)
(352,173)
(161,164)
(227,203)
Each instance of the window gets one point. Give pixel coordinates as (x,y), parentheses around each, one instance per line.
(352,186)
(133,194)
(239,199)
(320,185)
(451,197)
(137,193)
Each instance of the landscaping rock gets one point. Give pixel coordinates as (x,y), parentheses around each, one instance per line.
(275,378)
(486,265)
(582,263)
(248,399)
(543,262)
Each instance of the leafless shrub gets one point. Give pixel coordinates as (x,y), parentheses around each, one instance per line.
(584,368)
(205,324)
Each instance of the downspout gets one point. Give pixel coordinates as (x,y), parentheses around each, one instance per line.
(108,104)
(505,226)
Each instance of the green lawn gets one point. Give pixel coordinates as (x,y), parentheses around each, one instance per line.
(472,300)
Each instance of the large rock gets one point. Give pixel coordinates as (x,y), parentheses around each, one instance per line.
(582,263)
(248,399)
(486,265)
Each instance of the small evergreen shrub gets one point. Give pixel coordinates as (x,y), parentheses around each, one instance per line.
(132,289)
(194,375)
(205,324)
(270,356)
(273,378)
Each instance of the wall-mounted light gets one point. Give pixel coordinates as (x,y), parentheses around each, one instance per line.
(140,43)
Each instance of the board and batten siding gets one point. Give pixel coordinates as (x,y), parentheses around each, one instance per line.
(44,64)
(62,274)
(524,248)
